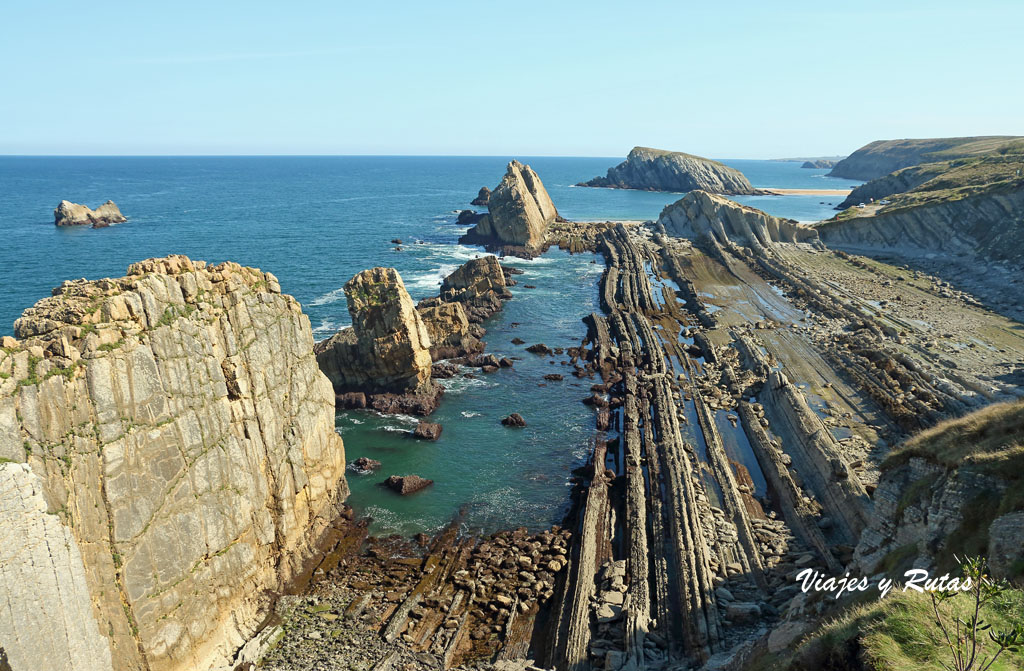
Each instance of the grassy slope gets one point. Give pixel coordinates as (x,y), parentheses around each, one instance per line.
(898,634)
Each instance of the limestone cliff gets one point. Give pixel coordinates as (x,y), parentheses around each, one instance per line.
(881,157)
(659,170)
(987,225)
(386,351)
(176,463)
(73,214)
(519,212)
(704,214)
(954,489)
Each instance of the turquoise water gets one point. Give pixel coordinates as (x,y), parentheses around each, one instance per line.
(316,221)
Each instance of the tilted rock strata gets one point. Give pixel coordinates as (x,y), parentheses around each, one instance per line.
(183,435)
(73,214)
(479,285)
(990,226)
(387,348)
(519,212)
(704,214)
(451,334)
(658,170)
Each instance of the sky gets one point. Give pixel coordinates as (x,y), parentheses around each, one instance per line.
(720,79)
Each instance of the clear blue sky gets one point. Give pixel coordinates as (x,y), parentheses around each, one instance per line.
(722,79)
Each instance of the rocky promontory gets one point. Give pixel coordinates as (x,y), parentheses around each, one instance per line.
(168,463)
(384,357)
(659,170)
(73,214)
(881,157)
(519,212)
(701,214)
(819,163)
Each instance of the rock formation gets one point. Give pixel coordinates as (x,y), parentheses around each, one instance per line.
(953,490)
(407,484)
(385,354)
(989,226)
(73,214)
(479,285)
(175,464)
(704,214)
(519,212)
(819,163)
(881,157)
(451,334)
(482,198)
(659,170)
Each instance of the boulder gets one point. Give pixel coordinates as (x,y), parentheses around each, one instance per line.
(427,431)
(407,484)
(386,352)
(515,419)
(364,465)
(73,214)
(659,170)
(519,212)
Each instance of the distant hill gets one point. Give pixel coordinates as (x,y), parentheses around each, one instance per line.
(884,156)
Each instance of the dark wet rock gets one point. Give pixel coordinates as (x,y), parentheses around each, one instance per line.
(396,241)
(518,341)
(505,362)
(468,218)
(443,370)
(539,348)
(406,484)
(427,431)
(554,377)
(482,360)
(352,400)
(515,419)
(364,465)
(482,197)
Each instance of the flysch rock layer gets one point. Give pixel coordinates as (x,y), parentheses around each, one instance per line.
(659,170)
(73,214)
(519,212)
(182,440)
(702,214)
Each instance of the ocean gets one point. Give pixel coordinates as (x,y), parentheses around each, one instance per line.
(316,221)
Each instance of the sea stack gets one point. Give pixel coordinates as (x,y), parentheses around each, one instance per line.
(385,354)
(519,212)
(649,169)
(73,214)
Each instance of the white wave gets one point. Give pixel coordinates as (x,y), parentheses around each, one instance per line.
(328,327)
(468,413)
(430,280)
(330,297)
(454,385)
(395,429)
(406,419)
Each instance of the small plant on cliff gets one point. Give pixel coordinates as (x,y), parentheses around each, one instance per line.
(965,634)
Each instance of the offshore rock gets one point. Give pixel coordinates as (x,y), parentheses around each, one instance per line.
(701,214)
(482,198)
(427,431)
(659,170)
(385,354)
(519,212)
(819,164)
(175,466)
(73,214)
(451,334)
(407,484)
(479,285)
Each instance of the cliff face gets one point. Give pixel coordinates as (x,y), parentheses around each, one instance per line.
(658,170)
(989,225)
(881,157)
(73,214)
(175,461)
(703,214)
(953,490)
(519,212)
